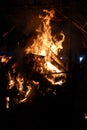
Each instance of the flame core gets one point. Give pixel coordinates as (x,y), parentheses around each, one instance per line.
(52,67)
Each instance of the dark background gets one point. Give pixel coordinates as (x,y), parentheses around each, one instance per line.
(18,21)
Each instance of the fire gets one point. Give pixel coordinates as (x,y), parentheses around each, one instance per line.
(11,82)
(22,87)
(51,67)
(48,46)
(45,49)
(45,42)
(7,103)
(20,82)
(5,59)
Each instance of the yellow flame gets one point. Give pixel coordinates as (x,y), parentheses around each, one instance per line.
(47,45)
(18,83)
(45,40)
(5,59)
(51,67)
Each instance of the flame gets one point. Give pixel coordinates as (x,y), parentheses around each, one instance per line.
(5,59)
(45,42)
(11,82)
(51,67)
(48,46)
(23,88)
(7,102)
(20,82)
(45,49)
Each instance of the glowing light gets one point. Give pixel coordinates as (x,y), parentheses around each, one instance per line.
(7,102)
(5,59)
(45,49)
(85,116)
(20,82)
(81,58)
(61,58)
(48,46)
(11,82)
(52,67)
(45,42)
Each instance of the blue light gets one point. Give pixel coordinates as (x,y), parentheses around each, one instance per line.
(81,58)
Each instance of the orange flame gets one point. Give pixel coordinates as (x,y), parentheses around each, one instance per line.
(18,82)
(45,40)
(5,59)
(47,45)
(44,46)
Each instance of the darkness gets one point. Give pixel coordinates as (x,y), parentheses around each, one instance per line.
(66,110)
